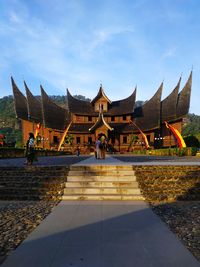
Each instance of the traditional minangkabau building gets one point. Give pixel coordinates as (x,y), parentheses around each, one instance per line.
(88,120)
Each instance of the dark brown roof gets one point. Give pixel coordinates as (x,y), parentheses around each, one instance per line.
(117,127)
(147,117)
(99,95)
(122,107)
(34,106)
(183,103)
(80,128)
(100,121)
(20,102)
(123,127)
(80,107)
(54,116)
(168,105)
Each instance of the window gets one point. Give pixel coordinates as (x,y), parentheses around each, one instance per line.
(125,139)
(124,117)
(55,139)
(78,140)
(89,118)
(112,118)
(89,140)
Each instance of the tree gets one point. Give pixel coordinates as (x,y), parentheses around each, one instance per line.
(69,139)
(191,141)
(192,127)
(133,140)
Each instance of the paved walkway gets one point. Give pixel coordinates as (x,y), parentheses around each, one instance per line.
(122,160)
(101,234)
(139,160)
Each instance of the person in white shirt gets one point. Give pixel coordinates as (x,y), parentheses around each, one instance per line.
(97,149)
(30,153)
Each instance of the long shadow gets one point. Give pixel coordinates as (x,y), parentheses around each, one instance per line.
(101,236)
(43,161)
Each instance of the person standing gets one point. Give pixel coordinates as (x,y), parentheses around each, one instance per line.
(103,147)
(30,153)
(78,151)
(97,149)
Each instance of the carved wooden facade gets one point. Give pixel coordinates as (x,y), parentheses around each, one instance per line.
(102,116)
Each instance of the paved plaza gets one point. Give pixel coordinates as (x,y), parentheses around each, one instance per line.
(102,233)
(125,159)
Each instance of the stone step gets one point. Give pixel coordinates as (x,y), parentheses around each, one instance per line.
(101,168)
(101,173)
(100,178)
(93,191)
(102,197)
(102,184)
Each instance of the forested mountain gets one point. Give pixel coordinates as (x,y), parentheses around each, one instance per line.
(192,127)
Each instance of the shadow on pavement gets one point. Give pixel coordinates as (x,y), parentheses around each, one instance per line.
(101,236)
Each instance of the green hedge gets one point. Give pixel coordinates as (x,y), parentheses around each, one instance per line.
(187,151)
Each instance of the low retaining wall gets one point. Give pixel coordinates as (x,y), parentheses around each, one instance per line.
(32,183)
(157,183)
(20,153)
(169,183)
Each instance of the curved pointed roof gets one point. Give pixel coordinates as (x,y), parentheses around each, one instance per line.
(168,105)
(20,102)
(120,107)
(77,106)
(147,117)
(99,95)
(183,103)
(54,116)
(34,106)
(124,106)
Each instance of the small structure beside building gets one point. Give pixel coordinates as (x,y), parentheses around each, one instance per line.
(101,116)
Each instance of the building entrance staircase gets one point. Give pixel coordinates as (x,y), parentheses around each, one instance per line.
(108,182)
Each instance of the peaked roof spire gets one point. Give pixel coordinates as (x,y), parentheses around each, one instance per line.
(183,102)
(34,106)
(168,105)
(20,102)
(100,94)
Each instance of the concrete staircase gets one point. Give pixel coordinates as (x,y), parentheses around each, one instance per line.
(101,183)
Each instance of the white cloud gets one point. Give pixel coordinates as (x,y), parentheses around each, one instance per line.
(81,47)
(168,53)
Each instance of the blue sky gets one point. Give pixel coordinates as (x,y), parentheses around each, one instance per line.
(79,44)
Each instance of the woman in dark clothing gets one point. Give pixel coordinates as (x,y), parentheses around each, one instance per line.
(30,153)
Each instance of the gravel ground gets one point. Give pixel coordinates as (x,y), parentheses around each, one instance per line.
(183,218)
(17,220)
